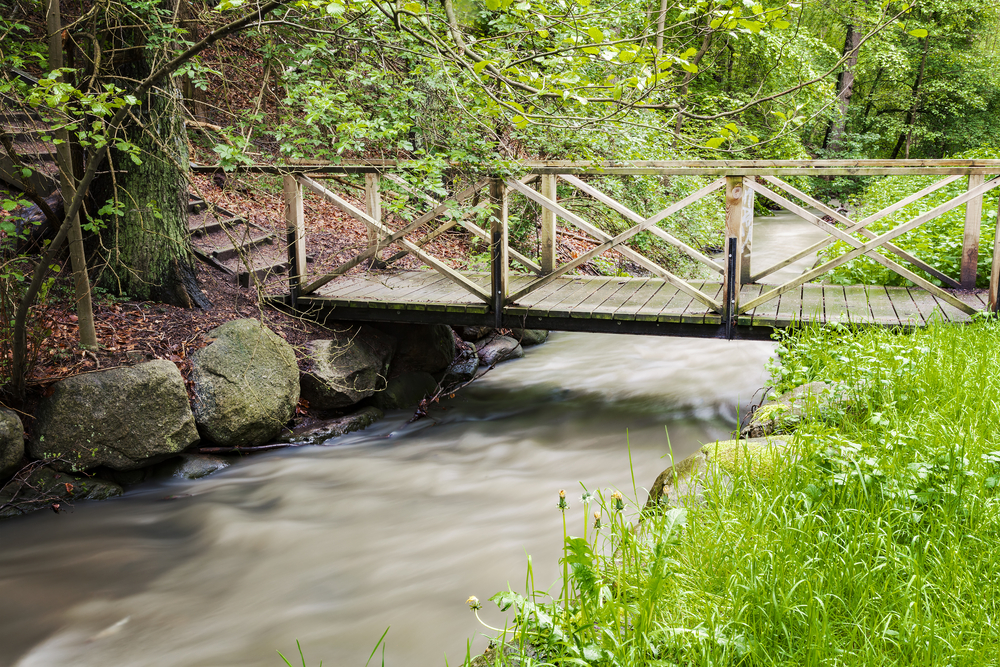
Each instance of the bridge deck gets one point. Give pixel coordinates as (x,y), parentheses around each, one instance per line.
(624,305)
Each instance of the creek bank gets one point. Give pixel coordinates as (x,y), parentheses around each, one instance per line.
(246,391)
(764,443)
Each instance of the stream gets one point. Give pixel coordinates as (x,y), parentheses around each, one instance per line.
(394,527)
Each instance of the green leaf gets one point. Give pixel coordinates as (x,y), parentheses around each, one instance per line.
(689,67)
(520,122)
(732,128)
(543,33)
(753,138)
(596,34)
(480,66)
(715,142)
(414,7)
(493,5)
(781,25)
(919,32)
(780,115)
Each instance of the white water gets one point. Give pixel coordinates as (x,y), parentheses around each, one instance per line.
(395,526)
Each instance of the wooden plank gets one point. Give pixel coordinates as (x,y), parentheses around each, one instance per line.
(568,288)
(653,309)
(635,303)
(540,296)
(835,309)
(347,285)
(499,257)
(408,292)
(628,289)
(670,310)
(748,292)
(927,305)
(906,310)
(857,305)
(566,307)
(585,309)
(397,285)
(696,313)
(812,308)
(881,306)
(789,309)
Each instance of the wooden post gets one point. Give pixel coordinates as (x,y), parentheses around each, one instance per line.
(739,225)
(547,239)
(373,205)
(498,248)
(746,227)
(994,306)
(295,226)
(970,243)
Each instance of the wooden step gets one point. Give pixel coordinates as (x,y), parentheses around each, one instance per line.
(196,205)
(259,272)
(232,251)
(215,225)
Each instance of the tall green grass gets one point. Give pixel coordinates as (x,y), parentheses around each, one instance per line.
(876,542)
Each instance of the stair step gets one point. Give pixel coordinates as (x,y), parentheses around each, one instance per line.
(196,205)
(245,278)
(215,225)
(231,251)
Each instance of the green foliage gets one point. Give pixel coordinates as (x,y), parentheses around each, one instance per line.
(937,242)
(875,545)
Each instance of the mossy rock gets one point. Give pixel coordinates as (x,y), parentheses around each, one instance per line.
(813,400)
(714,467)
(11,443)
(42,487)
(245,384)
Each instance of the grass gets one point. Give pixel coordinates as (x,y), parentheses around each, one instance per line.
(878,543)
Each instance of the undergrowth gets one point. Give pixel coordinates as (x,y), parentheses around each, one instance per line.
(877,541)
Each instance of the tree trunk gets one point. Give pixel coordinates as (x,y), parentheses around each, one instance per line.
(906,136)
(67,182)
(845,89)
(146,250)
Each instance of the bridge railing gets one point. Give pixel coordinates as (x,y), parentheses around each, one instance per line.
(740,180)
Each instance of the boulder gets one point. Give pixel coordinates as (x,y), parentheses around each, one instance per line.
(11,443)
(420,347)
(344,369)
(496,348)
(472,334)
(713,467)
(193,466)
(123,418)
(245,384)
(405,391)
(42,488)
(464,366)
(316,433)
(529,337)
(784,412)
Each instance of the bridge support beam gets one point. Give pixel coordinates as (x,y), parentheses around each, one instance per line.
(499,261)
(970,242)
(994,297)
(295,229)
(547,235)
(739,227)
(373,206)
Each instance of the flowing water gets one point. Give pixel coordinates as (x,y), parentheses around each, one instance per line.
(393,527)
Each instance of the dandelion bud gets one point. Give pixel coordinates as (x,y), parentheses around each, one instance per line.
(473,603)
(563,505)
(597,519)
(619,504)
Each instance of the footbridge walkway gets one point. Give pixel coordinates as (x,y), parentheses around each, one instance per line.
(735,298)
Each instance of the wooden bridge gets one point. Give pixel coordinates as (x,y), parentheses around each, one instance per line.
(738,299)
